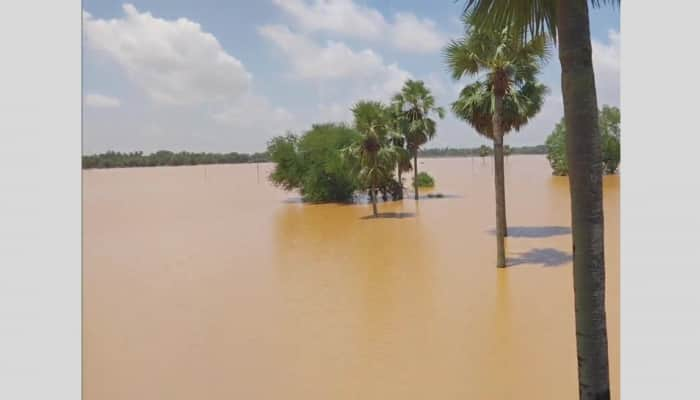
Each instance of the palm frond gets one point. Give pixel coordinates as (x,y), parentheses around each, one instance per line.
(531,17)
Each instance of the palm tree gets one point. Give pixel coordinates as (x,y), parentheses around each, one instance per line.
(376,157)
(567,22)
(403,157)
(508,68)
(414,105)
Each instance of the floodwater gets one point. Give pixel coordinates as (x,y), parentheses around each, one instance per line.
(208,283)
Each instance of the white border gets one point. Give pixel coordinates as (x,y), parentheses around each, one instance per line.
(40,183)
(660,196)
(40,119)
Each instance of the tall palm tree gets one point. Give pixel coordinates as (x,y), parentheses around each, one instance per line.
(507,68)
(376,157)
(567,22)
(414,105)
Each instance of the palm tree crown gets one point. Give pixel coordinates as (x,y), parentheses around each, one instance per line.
(533,17)
(414,105)
(475,105)
(506,62)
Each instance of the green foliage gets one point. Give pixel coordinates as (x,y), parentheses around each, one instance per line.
(485,150)
(112,159)
(377,152)
(313,163)
(472,152)
(609,126)
(556,149)
(506,69)
(528,17)
(424,180)
(412,109)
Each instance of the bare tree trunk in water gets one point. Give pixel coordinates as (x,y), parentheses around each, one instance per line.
(500,184)
(373,195)
(585,182)
(400,183)
(415,173)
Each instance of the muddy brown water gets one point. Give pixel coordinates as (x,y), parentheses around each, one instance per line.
(207,282)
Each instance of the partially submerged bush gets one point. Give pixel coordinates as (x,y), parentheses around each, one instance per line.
(485,150)
(424,180)
(609,121)
(313,163)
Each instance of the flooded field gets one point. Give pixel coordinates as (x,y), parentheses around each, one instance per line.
(208,283)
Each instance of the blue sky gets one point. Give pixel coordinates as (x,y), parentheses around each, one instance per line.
(229,75)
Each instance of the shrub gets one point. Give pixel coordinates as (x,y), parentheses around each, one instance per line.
(313,163)
(609,121)
(424,180)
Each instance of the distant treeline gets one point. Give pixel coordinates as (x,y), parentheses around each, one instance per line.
(112,159)
(477,151)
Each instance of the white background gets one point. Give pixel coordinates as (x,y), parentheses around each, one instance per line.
(40,289)
(40,216)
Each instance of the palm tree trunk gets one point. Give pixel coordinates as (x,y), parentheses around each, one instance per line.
(585,182)
(400,183)
(415,173)
(500,183)
(373,195)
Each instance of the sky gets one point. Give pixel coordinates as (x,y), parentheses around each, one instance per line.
(225,76)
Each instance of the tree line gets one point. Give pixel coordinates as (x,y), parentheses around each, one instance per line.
(113,159)
(480,151)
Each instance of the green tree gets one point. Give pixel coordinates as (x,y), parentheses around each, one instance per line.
(484,151)
(403,157)
(507,150)
(556,149)
(424,180)
(313,164)
(504,98)
(609,127)
(414,106)
(372,150)
(567,21)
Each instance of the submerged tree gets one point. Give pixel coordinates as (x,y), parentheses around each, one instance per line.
(567,22)
(312,164)
(414,106)
(484,151)
(609,125)
(505,97)
(372,150)
(398,141)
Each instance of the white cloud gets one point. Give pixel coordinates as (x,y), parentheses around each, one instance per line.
(606,64)
(174,61)
(311,61)
(177,63)
(255,114)
(411,34)
(341,16)
(406,32)
(342,75)
(334,61)
(101,101)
